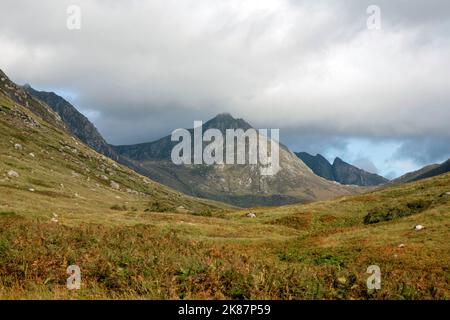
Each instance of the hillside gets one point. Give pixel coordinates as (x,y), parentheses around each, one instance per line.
(242,185)
(340,171)
(77,123)
(314,251)
(46,165)
(423,173)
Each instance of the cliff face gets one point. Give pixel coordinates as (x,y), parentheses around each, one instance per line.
(340,171)
(78,124)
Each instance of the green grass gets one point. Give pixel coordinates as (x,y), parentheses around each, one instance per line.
(156,243)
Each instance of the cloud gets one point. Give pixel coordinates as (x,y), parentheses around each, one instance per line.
(365,164)
(310,68)
(425,150)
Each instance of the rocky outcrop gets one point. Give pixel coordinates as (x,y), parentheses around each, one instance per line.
(340,171)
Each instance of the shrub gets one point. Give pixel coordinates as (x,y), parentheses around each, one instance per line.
(119,207)
(388,213)
(157,206)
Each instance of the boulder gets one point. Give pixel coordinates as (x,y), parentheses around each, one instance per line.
(251,215)
(419,227)
(115,185)
(13,174)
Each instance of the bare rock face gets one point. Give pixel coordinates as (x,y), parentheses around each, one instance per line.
(13,174)
(78,124)
(115,185)
(238,184)
(340,171)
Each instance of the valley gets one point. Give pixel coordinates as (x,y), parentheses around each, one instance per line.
(62,204)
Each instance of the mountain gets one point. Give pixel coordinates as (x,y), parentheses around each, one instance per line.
(237,184)
(42,165)
(340,171)
(64,204)
(78,124)
(318,164)
(241,185)
(426,172)
(18,95)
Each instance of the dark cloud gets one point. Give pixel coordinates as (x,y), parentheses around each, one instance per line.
(425,150)
(310,68)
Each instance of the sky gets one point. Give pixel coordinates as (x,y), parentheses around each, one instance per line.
(378,98)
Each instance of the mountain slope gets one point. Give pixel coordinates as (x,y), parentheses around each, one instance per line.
(78,124)
(318,164)
(238,184)
(20,96)
(340,171)
(47,166)
(426,172)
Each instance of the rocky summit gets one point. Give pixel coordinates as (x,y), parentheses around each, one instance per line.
(238,184)
(340,171)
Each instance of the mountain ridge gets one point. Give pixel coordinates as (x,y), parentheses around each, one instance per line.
(424,173)
(340,171)
(240,185)
(237,184)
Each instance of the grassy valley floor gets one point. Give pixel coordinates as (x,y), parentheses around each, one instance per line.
(315,251)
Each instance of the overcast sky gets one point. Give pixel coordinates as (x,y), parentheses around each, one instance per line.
(138,69)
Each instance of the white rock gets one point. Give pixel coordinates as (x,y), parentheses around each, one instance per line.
(74,174)
(31,154)
(342,280)
(104,177)
(115,185)
(251,215)
(54,220)
(31,190)
(18,146)
(419,227)
(401,245)
(13,174)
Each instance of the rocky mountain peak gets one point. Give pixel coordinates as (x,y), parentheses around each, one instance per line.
(340,171)
(225,121)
